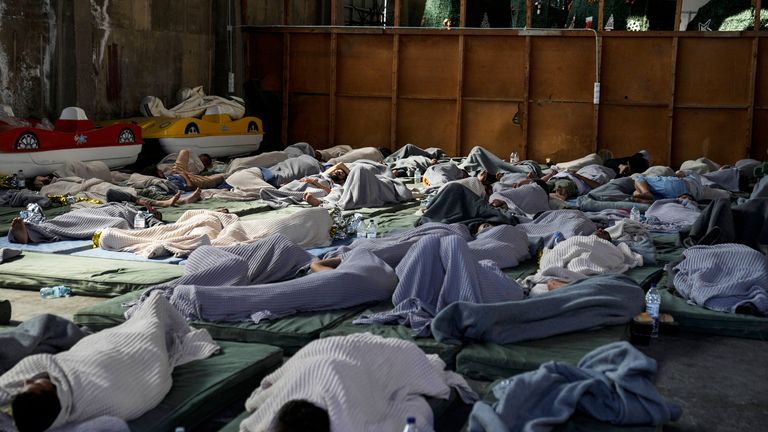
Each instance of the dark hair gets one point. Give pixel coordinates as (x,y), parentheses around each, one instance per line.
(301,416)
(35,412)
(542,184)
(205,155)
(385,151)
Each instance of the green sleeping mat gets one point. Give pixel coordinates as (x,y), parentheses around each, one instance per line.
(698,319)
(98,277)
(289,333)
(203,388)
(490,361)
(447,352)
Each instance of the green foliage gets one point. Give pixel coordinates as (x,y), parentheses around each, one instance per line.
(716,11)
(436,11)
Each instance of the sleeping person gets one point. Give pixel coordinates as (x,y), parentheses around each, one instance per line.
(360,382)
(122,372)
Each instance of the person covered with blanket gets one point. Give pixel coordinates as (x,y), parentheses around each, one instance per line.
(121,372)
(650,188)
(360,382)
(362,185)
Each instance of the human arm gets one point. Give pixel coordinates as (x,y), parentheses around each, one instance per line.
(326,264)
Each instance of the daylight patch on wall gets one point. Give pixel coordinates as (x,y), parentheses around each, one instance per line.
(103,23)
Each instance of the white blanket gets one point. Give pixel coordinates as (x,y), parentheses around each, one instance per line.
(364,382)
(583,256)
(309,227)
(123,372)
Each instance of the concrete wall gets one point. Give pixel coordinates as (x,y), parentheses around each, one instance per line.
(103,55)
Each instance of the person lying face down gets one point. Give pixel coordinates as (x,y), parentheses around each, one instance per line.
(122,372)
(360,382)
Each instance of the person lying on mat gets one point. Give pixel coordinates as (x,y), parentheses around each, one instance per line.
(650,188)
(122,372)
(357,187)
(568,184)
(79,223)
(360,382)
(187,180)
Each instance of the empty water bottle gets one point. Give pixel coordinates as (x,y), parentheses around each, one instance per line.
(410,425)
(371,229)
(55,292)
(21,182)
(417,176)
(652,307)
(634,214)
(139,221)
(514,158)
(361,230)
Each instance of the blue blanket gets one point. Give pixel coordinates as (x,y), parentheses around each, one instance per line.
(592,302)
(611,383)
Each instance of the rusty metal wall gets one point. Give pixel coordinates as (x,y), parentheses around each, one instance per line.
(678,95)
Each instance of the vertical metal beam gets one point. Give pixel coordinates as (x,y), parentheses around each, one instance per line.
(600,8)
(752,90)
(459,93)
(286,12)
(396,14)
(678,14)
(335,12)
(528,13)
(394,105)
(757,14)
(596,106)
(526,95)
(671,105)
(332,90)
(286,86)
(463,13)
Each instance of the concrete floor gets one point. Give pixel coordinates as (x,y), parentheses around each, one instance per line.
(721,382)
(26,304)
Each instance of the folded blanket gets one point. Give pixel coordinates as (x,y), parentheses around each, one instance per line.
(593,302)
(611,383)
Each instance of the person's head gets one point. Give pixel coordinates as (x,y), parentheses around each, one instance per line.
(301,416)
(686,197)
(318,155)
(603,234)
(205,158)
(338,176)
(37,406)
(39,181)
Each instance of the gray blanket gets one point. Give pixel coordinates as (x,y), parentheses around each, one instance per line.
(20,198)
(457,204)
(699,278)
(479,159)
(611,383)
(81,223)
(45,333)
(272,259)
(596,301)
(438,271)
(409,150)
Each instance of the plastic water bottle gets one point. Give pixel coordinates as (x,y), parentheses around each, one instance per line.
(362,229)
(179,429)
(652,306)
(55,292)
(139,221)
(371,229)
(634,214)
(514,158)
(21,182)
(417,176)
(410,425)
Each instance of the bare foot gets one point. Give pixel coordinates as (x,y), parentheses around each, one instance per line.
(312,200)
(160,203)
(482,176)
(554,284)
(193,197)
(19,230)
(499,175)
